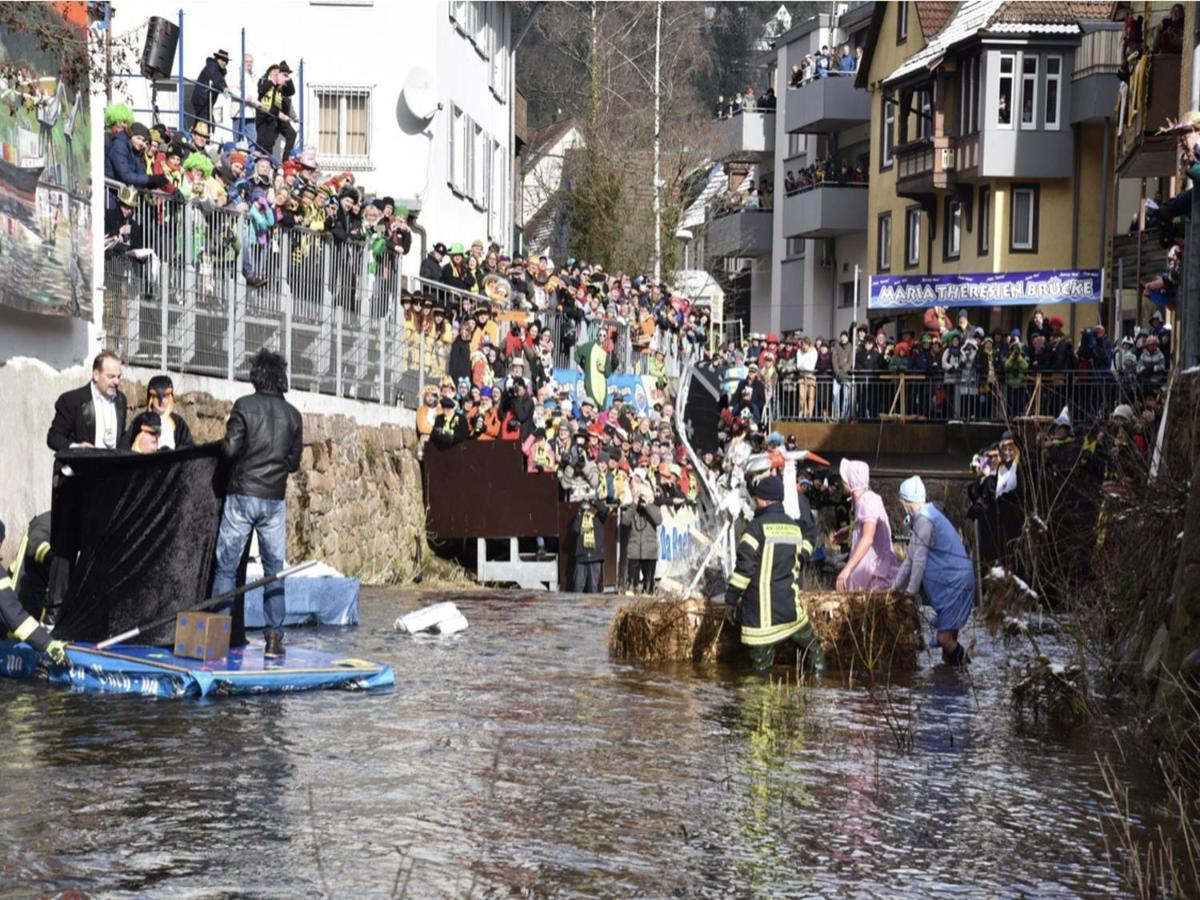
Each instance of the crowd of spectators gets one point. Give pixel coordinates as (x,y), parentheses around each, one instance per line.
(826,63)
(952,370)
(748,195)
(837,172)
(745,101)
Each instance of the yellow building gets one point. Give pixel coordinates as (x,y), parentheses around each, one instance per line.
(989,127)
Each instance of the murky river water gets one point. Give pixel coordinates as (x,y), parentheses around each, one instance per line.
(516,758)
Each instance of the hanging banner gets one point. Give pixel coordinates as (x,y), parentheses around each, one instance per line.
(638,390)
(986,289)
(675,543)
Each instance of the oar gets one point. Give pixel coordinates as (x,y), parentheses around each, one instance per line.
(207,604)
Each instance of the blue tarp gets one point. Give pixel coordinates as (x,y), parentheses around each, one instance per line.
(318,601)
(156,672)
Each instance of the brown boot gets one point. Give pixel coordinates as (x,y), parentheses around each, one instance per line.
(274,648)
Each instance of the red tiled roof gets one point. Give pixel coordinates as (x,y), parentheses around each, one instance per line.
(1044,12)
(933,15)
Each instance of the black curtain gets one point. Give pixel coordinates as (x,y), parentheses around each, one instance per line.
(137,534)
(703,409)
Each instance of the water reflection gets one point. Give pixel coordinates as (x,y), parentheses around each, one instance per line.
(517,758)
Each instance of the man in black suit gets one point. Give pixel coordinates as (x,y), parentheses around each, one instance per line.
(93,415)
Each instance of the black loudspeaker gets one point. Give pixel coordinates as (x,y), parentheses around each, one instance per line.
(158,56)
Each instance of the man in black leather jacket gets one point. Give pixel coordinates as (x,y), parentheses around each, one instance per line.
(263,440)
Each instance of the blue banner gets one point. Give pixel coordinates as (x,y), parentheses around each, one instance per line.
(622,388)
(985,289)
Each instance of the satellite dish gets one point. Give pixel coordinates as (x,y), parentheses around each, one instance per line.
(418,93)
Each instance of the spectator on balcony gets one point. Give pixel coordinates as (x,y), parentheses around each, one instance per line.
(1152,365)
(454,273)
(749,100)
(797,77)
(767,104)
(806,377)
(1170,34)
(208,86)
(722,107)
(735,105)
(274,117)
(790,183)
(431,265)
(450,426)
(1162,331)
(1061,350)
(858,55)
(125,161)
(988,370)
(1016,364)
(953,361)
(201,142)
(843,373)
(846,62)
(1037,325)
(824,62)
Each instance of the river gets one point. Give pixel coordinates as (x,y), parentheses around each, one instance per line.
(516,758)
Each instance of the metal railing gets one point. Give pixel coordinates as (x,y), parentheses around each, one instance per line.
(911,397)
(182,302)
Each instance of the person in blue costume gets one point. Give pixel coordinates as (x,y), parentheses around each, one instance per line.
(938,566)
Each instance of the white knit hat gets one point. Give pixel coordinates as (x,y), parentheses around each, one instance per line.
(912,490)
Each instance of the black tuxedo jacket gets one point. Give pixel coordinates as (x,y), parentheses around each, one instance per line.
(75,420)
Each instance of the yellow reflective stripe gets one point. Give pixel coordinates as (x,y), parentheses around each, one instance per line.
(750,539)
(26,628)
(739,581)
(40,554)
(806,546)
(773,635)
(16,569)
(765,570)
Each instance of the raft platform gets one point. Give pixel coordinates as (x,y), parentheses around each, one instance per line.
(156,672)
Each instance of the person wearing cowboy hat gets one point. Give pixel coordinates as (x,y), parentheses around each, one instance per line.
(209,84)
(431,265)
(455,273)
(274,116)
(200,139)
(123,237)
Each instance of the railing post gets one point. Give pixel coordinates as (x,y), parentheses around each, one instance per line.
(165,316)
(230,328)
(179,79)
(382,359)
(300,88)
(337,355)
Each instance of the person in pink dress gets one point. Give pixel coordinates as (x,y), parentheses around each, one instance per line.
(872,566)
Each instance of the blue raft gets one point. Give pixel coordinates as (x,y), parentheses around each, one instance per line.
(156,672)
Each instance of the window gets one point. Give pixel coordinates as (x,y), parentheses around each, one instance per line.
(925,118)
(912,237)
(796,247)
(887,140)
(496,194)
(1053,91)
(795,144)
(479,151)
(901,22)
(1029,72)
(985,221)
(498,72)
(1005,99)
(1024,236)
(343,125)
(968,101)
(952,248)
(846,300)
(884,239)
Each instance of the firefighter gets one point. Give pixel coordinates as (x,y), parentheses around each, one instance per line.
(23,626)
(766,581)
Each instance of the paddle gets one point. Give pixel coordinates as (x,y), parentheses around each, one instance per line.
(207,604)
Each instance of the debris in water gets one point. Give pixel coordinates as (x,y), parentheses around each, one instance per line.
(439,618)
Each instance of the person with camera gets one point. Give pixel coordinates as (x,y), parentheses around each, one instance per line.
(588,529)
(516,411)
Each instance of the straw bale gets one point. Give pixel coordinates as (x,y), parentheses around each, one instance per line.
(858,630)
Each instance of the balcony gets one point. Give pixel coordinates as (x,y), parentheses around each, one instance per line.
(1141,153)
(744,233)
(924,166)
(827,210)
(746,136)
(1094,79)
(826,105)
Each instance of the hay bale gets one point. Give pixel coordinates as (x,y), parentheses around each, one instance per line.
(859,630)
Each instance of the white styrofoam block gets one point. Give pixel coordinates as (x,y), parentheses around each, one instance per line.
(427,617)
(452,625)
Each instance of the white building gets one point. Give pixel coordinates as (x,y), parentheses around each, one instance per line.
(414,98)
(542,179)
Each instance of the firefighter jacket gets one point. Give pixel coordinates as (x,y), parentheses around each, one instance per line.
(766,579)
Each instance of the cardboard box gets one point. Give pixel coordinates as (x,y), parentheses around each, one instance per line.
(202,635)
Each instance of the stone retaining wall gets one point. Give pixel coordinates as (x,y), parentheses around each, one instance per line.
(356,502)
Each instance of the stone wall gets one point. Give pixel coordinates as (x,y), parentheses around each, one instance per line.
(356,502)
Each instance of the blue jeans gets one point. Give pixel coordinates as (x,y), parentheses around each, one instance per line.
(269,519)
(841,399)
